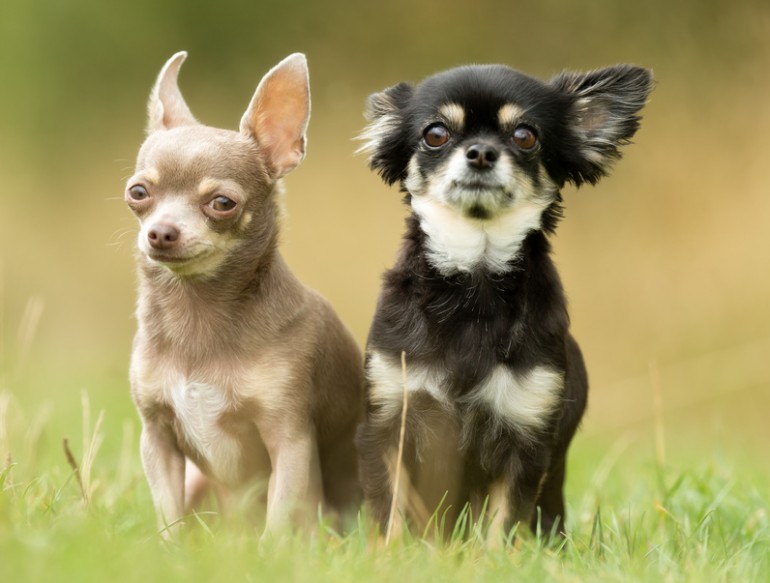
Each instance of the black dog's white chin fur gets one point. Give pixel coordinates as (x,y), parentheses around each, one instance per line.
(479,201)
(466,239)
(480,197)
(479,194)
(475,220)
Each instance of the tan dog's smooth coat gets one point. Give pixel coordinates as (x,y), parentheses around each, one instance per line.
(236,367)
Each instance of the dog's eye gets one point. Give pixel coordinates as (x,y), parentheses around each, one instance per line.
(138,192)
(436,135)
(222,204)
(524,138)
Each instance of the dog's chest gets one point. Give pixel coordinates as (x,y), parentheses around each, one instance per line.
(214,412)
(524,401)
(455,244)
(211,427)
(221,410)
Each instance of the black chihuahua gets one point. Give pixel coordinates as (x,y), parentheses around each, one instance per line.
(496,383)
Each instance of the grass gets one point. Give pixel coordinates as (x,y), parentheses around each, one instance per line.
(632,517)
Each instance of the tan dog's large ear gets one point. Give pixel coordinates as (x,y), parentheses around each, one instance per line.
(167,108)
(278,114)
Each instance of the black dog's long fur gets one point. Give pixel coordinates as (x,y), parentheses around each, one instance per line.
(469,322)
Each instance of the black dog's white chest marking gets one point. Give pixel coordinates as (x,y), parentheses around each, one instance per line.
(523,401)
(456,244)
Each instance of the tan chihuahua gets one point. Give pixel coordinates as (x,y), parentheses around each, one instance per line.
(239,372)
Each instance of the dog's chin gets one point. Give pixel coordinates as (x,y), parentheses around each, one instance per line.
(480,202)
(478,212)
(200,263)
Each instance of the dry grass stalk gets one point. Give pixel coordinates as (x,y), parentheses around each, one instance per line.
(30,321)
(92,441)
(75,468)
(34,435)
(657,412)
(5,440)
(8,469)
(5,403)
(399,456)
(2,327)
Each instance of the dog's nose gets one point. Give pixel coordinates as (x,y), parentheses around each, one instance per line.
(163,236)
(482,156)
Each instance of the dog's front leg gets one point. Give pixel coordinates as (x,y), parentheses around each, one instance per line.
(295,490)
(164,464)
(526,488)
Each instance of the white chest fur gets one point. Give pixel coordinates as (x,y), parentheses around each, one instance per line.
(199,409)
(221,408)
(524,401)
(456,243)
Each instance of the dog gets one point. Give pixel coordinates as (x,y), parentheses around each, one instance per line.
(496,384)
(239,372)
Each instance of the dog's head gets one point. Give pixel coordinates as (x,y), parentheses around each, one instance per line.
(205,196)
(484,141)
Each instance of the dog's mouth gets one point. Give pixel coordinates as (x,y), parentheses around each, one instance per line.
(480,187)
(174,259)
(166,258)
(480,199)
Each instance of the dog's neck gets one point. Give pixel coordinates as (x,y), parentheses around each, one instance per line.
(456,244)
(205,316)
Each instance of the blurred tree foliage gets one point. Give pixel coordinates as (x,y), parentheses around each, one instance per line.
(68,67)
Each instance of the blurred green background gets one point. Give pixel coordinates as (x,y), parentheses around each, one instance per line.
(666,263)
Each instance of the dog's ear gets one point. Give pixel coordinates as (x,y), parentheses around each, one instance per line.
(167,108)
(385,138)
(278,114)
(603,116)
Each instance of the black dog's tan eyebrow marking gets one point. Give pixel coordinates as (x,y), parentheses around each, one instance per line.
(508,115)
(454,115)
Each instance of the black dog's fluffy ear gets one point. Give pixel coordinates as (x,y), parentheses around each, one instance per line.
(385,138)
(603,116)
